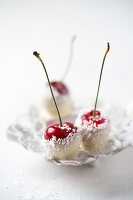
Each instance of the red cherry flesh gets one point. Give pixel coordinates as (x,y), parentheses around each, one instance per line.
(60,132)
(60,87)
(87,119)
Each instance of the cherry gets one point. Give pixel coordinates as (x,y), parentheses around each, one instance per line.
(90,114)
(88,119)
(60,87)
(98,121)
(60,132)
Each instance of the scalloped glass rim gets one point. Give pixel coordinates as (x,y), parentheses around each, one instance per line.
(28,130)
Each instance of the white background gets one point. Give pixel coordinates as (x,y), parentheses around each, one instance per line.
(47,26)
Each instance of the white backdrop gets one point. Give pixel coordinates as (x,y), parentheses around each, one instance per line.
(47,26)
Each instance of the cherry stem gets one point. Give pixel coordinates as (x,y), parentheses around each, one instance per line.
(108,48)
(38,56)
(70,57)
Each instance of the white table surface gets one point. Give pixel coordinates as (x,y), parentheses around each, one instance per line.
(47,26)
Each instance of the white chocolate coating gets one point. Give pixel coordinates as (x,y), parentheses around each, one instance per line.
(64,149)
(64,102)
(95,140)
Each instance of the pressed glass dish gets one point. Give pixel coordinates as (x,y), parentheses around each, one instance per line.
(28,131)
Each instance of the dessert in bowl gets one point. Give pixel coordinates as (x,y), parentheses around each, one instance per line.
(62,142)
(94,130)
(93,126)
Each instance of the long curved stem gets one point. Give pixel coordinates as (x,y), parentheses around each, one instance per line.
(108,48)
(70,58)
(38,56)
